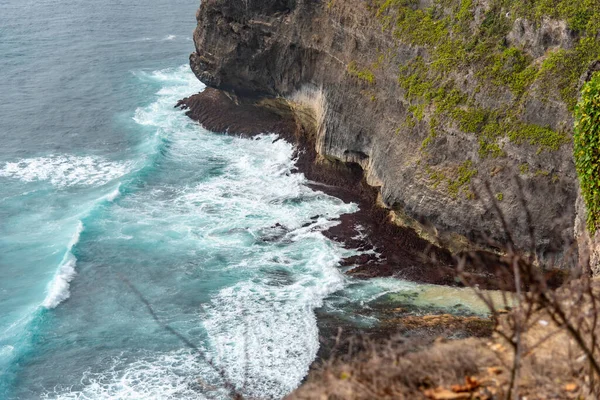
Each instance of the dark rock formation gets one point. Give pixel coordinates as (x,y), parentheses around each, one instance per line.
(309,52)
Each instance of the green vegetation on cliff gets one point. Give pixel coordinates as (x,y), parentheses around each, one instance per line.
(586,149)
(363,74)
(456,180)
(463,38)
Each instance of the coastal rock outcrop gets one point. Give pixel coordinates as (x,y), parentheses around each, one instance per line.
(447,106)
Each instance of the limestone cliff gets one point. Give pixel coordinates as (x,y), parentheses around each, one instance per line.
(430,97)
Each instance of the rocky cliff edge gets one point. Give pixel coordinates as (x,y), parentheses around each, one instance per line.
(433,99)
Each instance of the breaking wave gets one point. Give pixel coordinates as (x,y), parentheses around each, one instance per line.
(58,289)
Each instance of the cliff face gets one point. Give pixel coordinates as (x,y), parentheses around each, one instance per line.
(429,97)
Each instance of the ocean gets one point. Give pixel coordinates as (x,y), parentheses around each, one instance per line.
(113,202)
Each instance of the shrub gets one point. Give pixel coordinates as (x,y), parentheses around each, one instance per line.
(586,148)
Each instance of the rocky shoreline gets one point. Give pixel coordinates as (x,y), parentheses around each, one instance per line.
(395,251)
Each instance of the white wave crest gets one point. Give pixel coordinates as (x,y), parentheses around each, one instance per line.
(112,196)
(58,289)
(66,170)
(174,78)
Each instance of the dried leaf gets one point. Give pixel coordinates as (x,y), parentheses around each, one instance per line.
(571,387)
(471,383)
(498,347)
(494,370)
(445,394)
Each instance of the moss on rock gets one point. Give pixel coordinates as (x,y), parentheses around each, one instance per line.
(456,40)
(586,149)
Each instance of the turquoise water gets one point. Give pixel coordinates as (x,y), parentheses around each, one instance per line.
(103,182)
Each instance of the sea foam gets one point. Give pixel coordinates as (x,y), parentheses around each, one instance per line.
(264,333)
(66,170)
(249,211)
(153,376)
(261,330)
